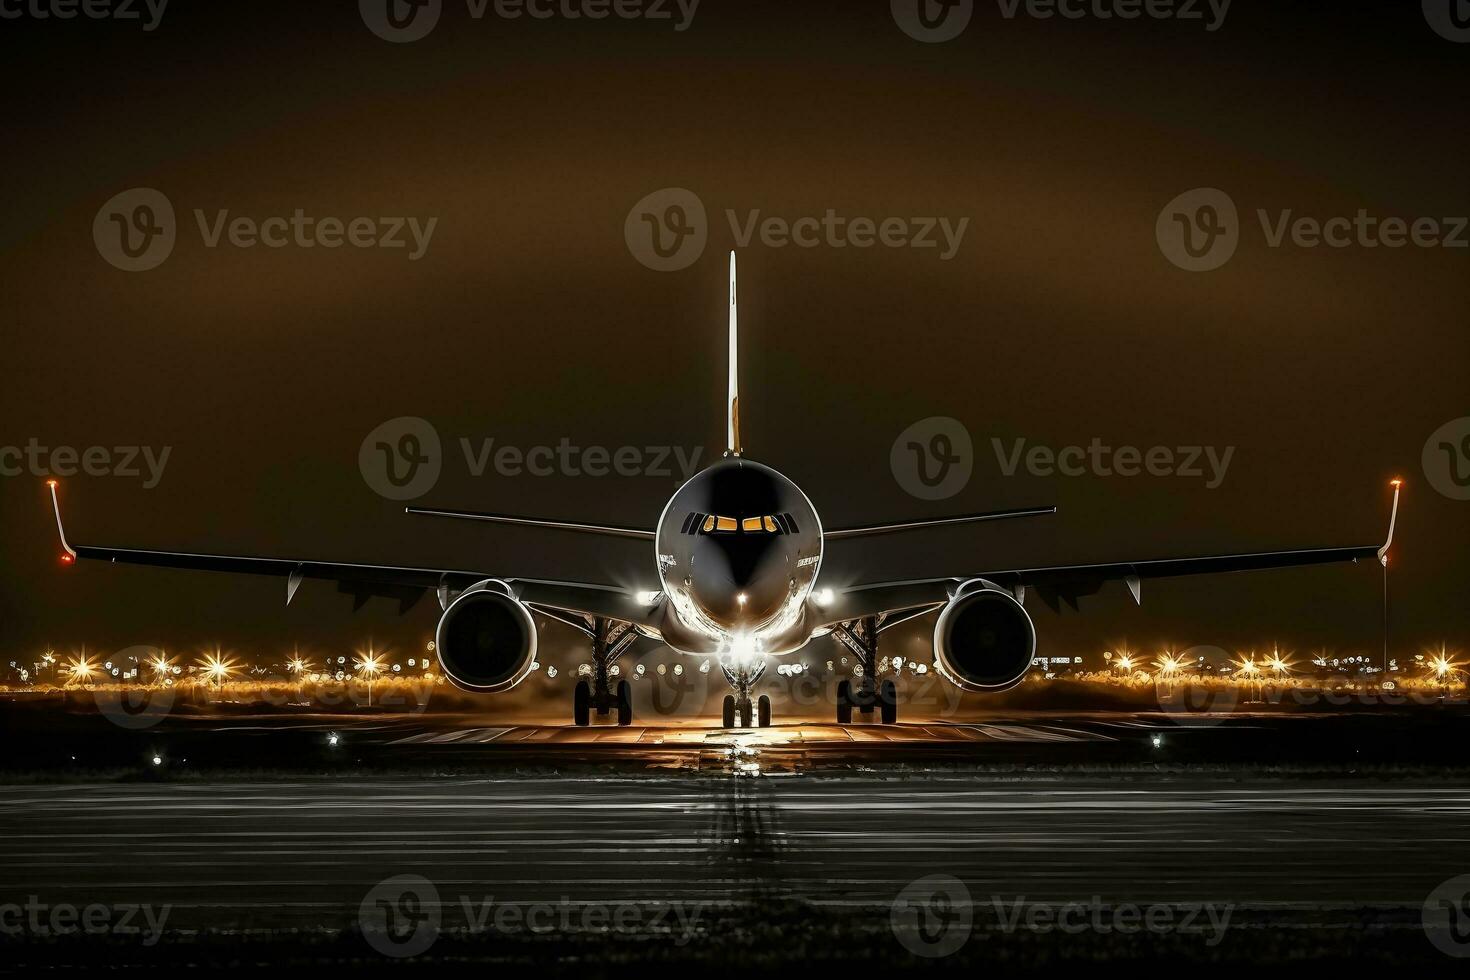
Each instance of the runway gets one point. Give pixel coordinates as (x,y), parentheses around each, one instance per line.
(268,855)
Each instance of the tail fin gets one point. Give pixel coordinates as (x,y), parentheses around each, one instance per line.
(732,413)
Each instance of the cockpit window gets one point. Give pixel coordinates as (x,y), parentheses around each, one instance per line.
(762,524)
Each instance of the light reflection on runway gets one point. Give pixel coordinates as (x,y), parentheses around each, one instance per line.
(264,854)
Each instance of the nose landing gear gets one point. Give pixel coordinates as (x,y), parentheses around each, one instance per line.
(861,637)
(739,711)
(609,641)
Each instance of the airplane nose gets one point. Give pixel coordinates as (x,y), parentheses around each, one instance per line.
(739,580)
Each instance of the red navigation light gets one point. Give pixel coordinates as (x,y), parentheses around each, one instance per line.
(67,559)
(51,484)
(1396,483)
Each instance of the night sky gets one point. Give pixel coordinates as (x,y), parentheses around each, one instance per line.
(529,320)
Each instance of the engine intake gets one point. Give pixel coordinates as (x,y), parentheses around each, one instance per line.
(486,641)
(984,641)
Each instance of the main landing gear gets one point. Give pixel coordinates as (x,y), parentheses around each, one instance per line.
(861,637)
(609,640)
(739,710)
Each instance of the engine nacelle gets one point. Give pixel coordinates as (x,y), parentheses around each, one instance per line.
(486,641)
(984,641)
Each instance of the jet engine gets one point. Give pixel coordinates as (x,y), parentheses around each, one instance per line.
(486,641)
(984,641)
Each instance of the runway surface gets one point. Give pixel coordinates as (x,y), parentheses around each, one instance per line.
(303,853)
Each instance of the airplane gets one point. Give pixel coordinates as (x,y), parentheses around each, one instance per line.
(739,551)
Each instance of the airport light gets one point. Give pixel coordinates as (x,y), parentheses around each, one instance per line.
(1247,667)
(217,668)
(1443,668)
(81,669)
(162,665)
(368,665)
(1278,664)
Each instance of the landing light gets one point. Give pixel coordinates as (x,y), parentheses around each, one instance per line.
(824,598)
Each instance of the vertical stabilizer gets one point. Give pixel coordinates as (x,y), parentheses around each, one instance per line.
(732,407)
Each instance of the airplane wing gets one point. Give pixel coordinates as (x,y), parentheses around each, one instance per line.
(406,584)
(1060,584)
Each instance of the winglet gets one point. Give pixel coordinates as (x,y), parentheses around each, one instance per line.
(68,555)
(1393,518)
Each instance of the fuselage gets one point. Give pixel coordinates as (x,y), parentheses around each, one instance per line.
(738,549)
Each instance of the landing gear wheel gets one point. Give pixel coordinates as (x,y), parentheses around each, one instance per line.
(582,704)
(625,703)
(844,702)
(888,702)
(729,713)
(744,715)
(763,711)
